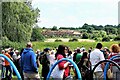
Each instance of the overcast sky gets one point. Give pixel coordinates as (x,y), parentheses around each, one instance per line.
(74,13)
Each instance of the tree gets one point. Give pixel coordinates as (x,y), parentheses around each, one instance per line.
(54,28)
(85,36)
(17,21)
(36,35)
(106,39)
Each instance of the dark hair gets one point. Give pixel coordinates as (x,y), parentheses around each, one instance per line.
(21,51)
(69,53)
(85,55)
(60,50)
(99,45)
(78,50)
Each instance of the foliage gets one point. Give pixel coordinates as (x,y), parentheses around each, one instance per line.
(9,44)
(54,28)
(85,36)
(17,20)
(73,40)
(36,35)
(58,40)
(117,38)
(106,39)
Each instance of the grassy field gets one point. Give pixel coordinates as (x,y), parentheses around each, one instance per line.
(72,45)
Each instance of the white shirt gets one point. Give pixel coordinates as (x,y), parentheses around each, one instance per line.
(95,57)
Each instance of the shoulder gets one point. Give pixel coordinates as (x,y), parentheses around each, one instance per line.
(59,56)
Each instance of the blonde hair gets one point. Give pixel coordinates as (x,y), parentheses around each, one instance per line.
(115,48)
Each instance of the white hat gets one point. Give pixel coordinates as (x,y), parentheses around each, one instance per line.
(7,49)
(16,51)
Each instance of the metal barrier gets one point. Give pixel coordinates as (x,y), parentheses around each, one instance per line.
(102,62)
(107,64)
(65,59)
(12,64)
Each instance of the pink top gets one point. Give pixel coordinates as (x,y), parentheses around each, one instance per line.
(61,66)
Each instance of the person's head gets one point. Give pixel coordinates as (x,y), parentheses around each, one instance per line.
(115,48)
(3,51)
(78,50)
(16,51)
(7,50)
(85,54)
(99,46)
(61,50)
(119,44)
(29,45)
(37,51)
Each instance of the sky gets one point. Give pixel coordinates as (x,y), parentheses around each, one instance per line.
(75,13)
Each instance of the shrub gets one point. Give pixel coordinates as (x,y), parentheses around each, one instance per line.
(85,36)
(58,40)
(106,39)
(72,40)
(117,38)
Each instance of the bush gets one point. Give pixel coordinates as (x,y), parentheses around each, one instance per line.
(72,40)
(85,36)
(58,40)
(117,38)
(9,44)
(106,39)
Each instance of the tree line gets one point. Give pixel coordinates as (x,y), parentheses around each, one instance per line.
(19,25)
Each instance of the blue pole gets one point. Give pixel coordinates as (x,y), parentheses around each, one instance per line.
(107,64)
(12,64)
(65,59)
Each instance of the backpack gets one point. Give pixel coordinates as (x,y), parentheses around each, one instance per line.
(85,70)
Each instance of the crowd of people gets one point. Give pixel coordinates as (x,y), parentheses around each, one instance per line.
(27,61)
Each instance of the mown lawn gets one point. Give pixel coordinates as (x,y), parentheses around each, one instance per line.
(72,45)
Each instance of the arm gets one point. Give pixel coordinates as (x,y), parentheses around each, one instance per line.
(102,58)
(33,60)
(63,64)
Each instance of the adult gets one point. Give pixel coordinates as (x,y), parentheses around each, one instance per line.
(28,63)
(61,53)
(7,65)
(44,61)
(16,56)
(2,65)
(96,56)
(115,50)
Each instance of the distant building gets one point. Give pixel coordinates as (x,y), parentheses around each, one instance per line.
(61,33)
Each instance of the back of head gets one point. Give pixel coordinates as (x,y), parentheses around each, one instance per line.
(29,44)
(99,46)
(115,48)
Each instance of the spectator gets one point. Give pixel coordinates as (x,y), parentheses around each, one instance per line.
(44,61)
(78,56)
(11,51)
(52,58)
(115,50)
(96,56)
(90,49)
(16,56)
(106,52)
(84,66)
(37,57)
(61,53)
(7,65)
(2,62)
(28,63)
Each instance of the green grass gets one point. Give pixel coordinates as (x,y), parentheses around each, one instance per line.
(72,45)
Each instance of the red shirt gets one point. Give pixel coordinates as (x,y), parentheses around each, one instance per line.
(61,66)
